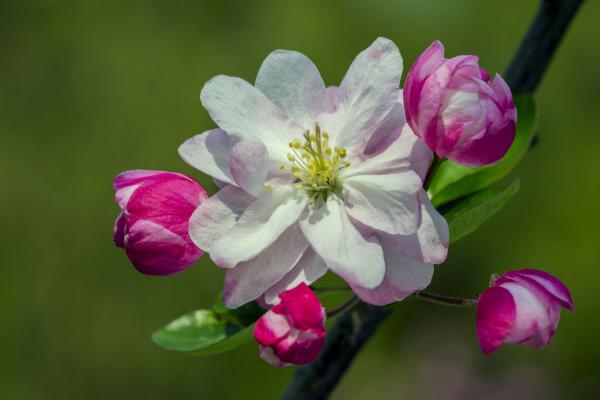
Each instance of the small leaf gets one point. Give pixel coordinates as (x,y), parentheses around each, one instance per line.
(453,181)
(471,212)
(212,331)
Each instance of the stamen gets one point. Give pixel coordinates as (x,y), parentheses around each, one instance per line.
(316,164)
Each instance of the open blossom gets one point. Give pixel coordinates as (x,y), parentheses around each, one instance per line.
(452,105)
(293,331)
(316,178)
(521,307)
(153,224)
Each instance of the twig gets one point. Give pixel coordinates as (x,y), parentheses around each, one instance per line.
(354,328)
(350,332)
(539,44)
(445,300)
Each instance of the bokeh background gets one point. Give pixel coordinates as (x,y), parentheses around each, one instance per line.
(92,88)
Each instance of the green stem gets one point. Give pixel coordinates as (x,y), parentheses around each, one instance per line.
(343,308)
(433,168)
(445,300)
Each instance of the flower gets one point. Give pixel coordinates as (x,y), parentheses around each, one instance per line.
(521,307)
(315,178)
(293,331)
(456,110)
(153,224)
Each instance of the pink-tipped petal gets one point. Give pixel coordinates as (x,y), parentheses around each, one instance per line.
(496,316)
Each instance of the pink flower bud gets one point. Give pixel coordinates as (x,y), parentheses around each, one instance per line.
(153,224)
(453,106)
(293,331)
(521,307)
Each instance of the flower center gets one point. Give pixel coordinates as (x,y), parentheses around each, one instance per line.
(315,164)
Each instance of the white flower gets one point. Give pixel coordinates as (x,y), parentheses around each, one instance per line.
(316,178)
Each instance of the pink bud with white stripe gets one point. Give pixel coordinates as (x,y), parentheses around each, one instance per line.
(293,331)
(153,224)
(457,110)
(521,307)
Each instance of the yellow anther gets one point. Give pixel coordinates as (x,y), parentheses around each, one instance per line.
(282,167)
(315,164)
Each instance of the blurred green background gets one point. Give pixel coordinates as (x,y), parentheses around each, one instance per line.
(92,88)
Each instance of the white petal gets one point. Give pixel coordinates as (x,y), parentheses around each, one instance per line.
(259,226)
(249,279)
(217,214)
(209,153)
(403,277)
(367,93)
(242,110)
(332,235)
(294,84)
(249,164)
(308,269)
(406,152)
(387,203)
(430,243)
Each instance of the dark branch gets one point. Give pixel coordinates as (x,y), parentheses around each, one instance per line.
(353,329)
(539,44)
(350,332)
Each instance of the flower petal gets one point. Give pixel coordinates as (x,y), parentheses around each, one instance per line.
(387,203)
(496,316)
(217,214)
(367,93)
(307,270)
(333,236)
(431,59)
(259,226)
(429,243)
(209,153)
(249,164)
(551,284)
(294,84)
(271,328)
(243,111)
(403,277)
(537,315)
(250,279)
(406,152)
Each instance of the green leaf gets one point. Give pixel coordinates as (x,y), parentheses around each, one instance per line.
(212,331)
(453,181)
(471,212)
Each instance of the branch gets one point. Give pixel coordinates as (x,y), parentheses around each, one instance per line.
(539,44)
(353,329)
(350,332)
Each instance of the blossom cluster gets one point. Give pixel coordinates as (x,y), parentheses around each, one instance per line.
(317,178)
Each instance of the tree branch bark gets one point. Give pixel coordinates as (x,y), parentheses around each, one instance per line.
(540,43)
(350,332)
(353,329)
